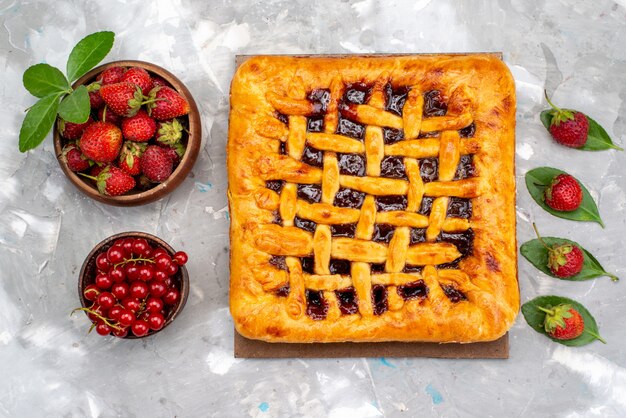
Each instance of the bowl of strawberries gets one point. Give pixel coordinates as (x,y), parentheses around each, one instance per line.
(141,139)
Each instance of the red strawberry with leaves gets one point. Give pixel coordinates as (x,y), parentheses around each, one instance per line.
(156,164)
(113,181)
(123,98)
(69,130)
(101,142)
(568,127)
(563,322)
(565,259)
(139,77)
(111,75)
(563,193)
(169,132)
(140,127)
(165,103)
(130,157)
(74,158)
(95,100)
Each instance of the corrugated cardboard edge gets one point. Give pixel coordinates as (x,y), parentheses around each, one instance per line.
(246,348)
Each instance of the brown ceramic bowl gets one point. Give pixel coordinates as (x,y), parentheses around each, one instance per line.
(88,274)
(193,139)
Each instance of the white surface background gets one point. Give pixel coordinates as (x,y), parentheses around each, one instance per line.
(50,367)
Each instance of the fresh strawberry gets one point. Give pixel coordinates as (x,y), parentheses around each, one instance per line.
(123,98)
(111,75)
(69,130)
(96,169)
(101,142)
(95,100)
(159,81)
(139,77)
(113,181)
(110,117)
(175,152)
(74,158)
(156,164)
(169,132)
(568,127)
(140,127)
(563,322)
(130,157)
(564,193)
(565,260)
(165,103)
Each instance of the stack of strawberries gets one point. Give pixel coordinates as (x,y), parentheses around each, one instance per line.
(135,135)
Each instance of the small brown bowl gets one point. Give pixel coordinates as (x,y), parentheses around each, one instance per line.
(88,274)
(194,139)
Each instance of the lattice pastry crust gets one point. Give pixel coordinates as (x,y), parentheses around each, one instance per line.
(373,199)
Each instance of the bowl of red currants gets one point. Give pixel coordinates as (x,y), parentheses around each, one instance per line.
(133,285)
(141,139)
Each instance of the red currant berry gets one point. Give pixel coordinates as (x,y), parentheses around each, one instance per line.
(126,318)
(91,292)
(117,274)
(103,281)
(95,311)
(102,263)
(140,328)
(119,242)
(148,252)
(138,290)
(172,269)
(115,255)
(131,303)
(120,290)
(115,312)
(157,289)
(106,300)
(162,262)
(160,275)
(103,329)
(181,258)
(157,252)
(120,333)
(140,246)
(168,282)
(154,304)
(171,296)
(156,321)
(128,245)
(132,271)
(146,273)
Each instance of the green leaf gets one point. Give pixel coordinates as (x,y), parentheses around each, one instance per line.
(535,317)
(535,252)
(42,80)
(88,52)
(597,138)
(75,106)
(537,181)
(38,122)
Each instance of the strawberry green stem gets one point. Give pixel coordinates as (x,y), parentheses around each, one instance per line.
(593,334)
(541,239)
(545,92)
(88,176)
(548,311)
(612,276)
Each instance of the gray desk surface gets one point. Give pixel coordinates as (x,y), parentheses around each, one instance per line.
(50,367)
